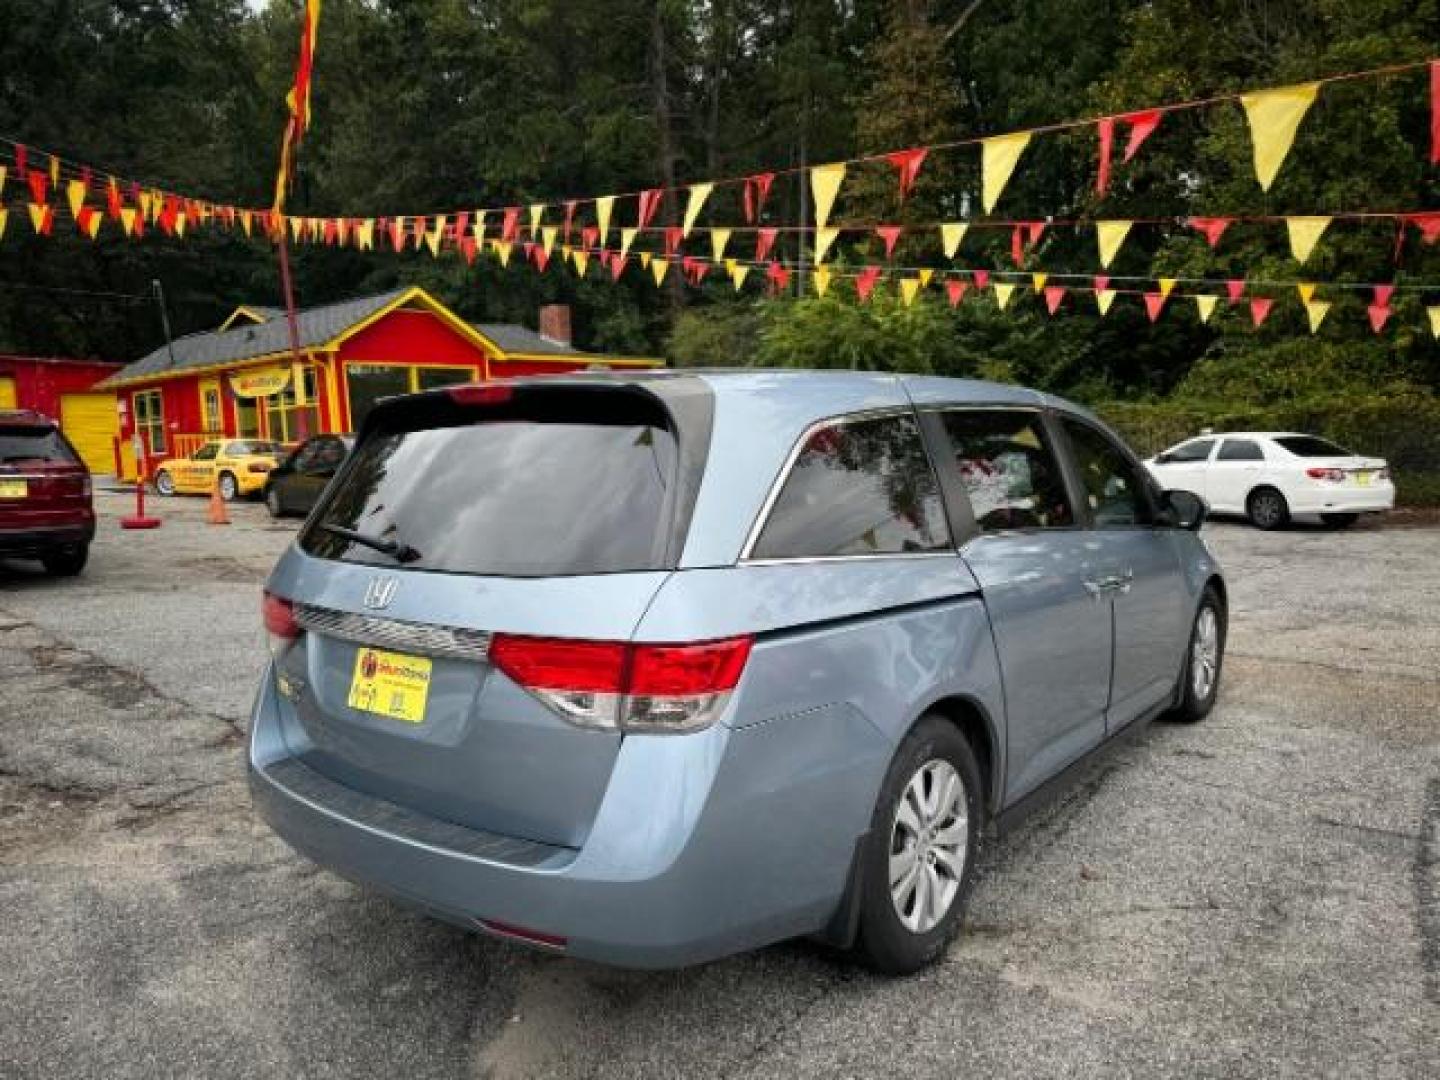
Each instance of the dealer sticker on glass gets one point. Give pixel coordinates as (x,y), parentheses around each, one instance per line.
(390,684)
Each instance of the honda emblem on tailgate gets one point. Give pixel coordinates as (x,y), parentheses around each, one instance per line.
(380,591)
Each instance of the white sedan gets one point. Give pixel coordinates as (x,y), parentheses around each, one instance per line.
(1269,476)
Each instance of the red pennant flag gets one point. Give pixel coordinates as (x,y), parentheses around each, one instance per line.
(468,248)
(1383,294)
(649,202)
(46,218)
(673,235)
(1106,129)
(1154,302)
(982,278)
(397,234)
(890,234)
(1379,316)
(332,231)
(1017,247)
(907,163)
(113,205)
(757,189)
(541,256)
(1434,112)
(39,185)
(20,159)
(510,229)
(1235,289)
(569,217)
(1142,124)
(589,236)
(1023,237)
(461,226)
(956,291)
(418,229)
(1102,282)
(527,249)
(82,219)
(617,265)
(1212,228)
(1053,295)
(764,241)
(1259,309)
(1428,224)
(779,277)
(865,282)
(170,215)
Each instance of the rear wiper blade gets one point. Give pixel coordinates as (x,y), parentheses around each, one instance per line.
(397,550)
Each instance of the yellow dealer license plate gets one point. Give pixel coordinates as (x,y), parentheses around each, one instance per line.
(390,684)
(1363,478)
(13,489)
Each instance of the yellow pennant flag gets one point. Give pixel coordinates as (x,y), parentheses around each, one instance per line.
(432,238)
(1103,299)
(825,183)
(246,222)
(951,233)
(926,275)
(603,206)
(908,288)
(1305,233)
(1205,307)
(645,257)
(4,217)
(502,248)
(698,194)
(1038,281)
(1274,117)
(537,211)
(37,216)
(823,239)
(719,238)
(1315,311)
(1111,234)
(548,236)
(479,226)
(658,268)
(296,224)
(157,203)
(1167,286)
(181,220)
(627,237)
(144,200)
(2,179)
(127,220)
(75,191)
(737,274)
(997,161)
(1434,313)
(1003,292)
(1306,289)
(92,227)
(364,234)
(54,170)
(582,262)
(821,277)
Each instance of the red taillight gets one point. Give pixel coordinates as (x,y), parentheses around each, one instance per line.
(259,467)
(279,617)
(1334,475)
(617,685)
(480,395)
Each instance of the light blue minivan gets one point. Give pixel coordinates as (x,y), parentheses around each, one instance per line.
(652,669)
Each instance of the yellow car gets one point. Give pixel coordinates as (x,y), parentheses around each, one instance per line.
(240,466)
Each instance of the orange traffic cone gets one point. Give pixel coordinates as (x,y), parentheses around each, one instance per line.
(217,514)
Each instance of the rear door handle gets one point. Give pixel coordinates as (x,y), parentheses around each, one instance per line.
(1118,582)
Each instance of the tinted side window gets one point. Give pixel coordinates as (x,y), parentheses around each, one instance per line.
(1240,450)
(862,487)
(1009,470)
(206,452)
(1198,450)
(1113,486)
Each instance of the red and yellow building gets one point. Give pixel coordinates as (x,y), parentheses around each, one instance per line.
(241,379)
(64,390)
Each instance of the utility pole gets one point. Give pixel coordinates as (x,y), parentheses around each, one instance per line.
(297,366)
(159,293)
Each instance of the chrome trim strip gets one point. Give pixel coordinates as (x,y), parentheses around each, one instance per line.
(451,642)
(948,553)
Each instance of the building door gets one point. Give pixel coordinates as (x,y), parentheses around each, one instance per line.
(211,414)
(8,399)
(91,424)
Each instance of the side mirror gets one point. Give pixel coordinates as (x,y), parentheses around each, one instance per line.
(1184,509)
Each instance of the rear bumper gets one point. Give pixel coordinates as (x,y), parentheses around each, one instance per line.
(705,845)
(42,541)
(1344,500)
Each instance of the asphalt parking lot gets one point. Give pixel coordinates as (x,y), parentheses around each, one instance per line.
(1258,895)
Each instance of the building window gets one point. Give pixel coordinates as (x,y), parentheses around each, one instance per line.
(150,419)
(368,383)
(210,399)
(283,413)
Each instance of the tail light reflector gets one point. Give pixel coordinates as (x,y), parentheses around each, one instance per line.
(520,933)
(628,687)
(1334,475)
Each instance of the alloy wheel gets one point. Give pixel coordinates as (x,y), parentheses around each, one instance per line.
(1205,653)
(1266,510)
(929,845)
(227,488)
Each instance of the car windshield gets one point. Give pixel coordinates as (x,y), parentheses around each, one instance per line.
(533,494)
(24,444)
(252,446)
(1311,446)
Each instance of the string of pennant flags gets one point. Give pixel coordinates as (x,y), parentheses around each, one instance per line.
(92,198)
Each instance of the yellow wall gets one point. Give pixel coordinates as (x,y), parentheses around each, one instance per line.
(91,424)
(7,392)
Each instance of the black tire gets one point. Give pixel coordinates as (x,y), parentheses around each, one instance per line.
(164,484)
(229,486)
(1339,521)
(66,563)
(884,941)
(1267,509)
(1196,700)
(273,503)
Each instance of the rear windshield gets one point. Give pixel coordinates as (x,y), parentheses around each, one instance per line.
(1310,446)
(527,490)
(19,445)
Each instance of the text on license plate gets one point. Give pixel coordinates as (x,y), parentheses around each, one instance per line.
(13,489)
(1363,478)
(390,684)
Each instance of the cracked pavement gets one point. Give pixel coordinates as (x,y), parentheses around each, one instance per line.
(1257,895)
